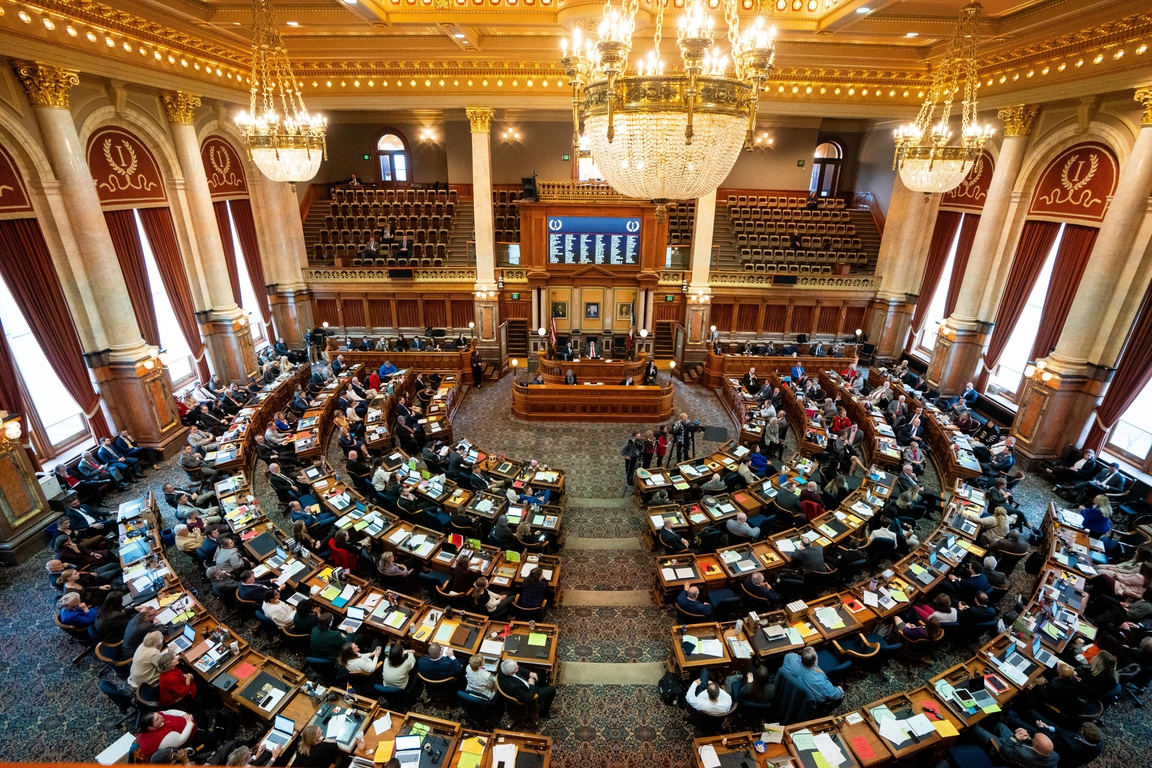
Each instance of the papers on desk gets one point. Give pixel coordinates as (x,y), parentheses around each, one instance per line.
(871,599)
(711,647)
(398,536)
(920,725)
(708,756)
(785,546)
(335,725)
(829,749)
(506,753)
(830,618)
(685,573)
(740,648)
(382,724)
(893,730)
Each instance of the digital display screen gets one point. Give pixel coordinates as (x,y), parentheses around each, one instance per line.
(593,240)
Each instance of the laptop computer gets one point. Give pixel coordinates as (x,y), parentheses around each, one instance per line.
(353,620)
(282,732)
(408,751)
(184,641)
(1041,654)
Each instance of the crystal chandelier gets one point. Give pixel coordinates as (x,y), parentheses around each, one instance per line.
(927,163)
(287,147)
(674,135)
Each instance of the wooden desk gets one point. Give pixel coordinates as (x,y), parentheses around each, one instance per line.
(557,402)
(381,606)
(608,371)
(812,733)
(397,537)
(528,655)
(272,672)
(527,742)
(960,674)
(456,360)
(718,367)
(475,743)
(691,664)
(740,745)
(866,745)
(904,706)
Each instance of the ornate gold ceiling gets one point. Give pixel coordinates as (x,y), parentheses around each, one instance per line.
(828,50)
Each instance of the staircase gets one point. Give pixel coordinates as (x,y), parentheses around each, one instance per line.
(463,230)
(869,237)
(724,240)
(663,345)
(312,227)
(518,339)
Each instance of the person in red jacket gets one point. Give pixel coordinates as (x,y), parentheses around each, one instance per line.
(177,688)
(159,730)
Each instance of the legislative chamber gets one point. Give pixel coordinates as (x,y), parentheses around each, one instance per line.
(537,384)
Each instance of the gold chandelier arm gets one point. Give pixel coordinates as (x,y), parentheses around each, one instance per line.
(732,16)
(658,35)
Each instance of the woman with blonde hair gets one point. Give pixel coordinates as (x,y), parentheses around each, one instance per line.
(992,527)
(1097,516)
(314,751)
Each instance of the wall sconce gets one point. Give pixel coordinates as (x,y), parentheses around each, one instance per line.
(510,136)
(764,142)
(427,136)
(243,320)
(485,293)
(699,297)
(12,430)
(500,282)
(163,357)
(472,328)
(1041,364)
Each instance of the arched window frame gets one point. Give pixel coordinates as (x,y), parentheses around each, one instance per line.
(825,181)
(390,154)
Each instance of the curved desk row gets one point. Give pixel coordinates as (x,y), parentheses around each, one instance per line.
(591,402)
(719,367)
(609,371)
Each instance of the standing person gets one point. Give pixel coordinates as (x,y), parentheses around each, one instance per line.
(477,369)
(631,453)
(661,445)
(649,449)
(682,434)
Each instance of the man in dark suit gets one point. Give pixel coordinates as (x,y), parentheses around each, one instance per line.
(130,468)
(404,250)
(438,665)
(296,512)
(967,586)
(127,447)
(980,613)
(359,471)
(455,464)
(250,589)
(689,601)
(524,690)
(1107,480)
(672,542)
(284,486)
(751,382)
(756,585)
(90,468)
(87,521)
(1079,471)
(649,373)
(1075,748)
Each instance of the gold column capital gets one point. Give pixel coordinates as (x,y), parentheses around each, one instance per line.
(480,118)
(46,85)
(1018,119)
(1144,96)
(180,106)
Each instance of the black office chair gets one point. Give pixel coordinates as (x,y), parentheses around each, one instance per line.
(1007,561)
(442,690)
(109,655)
(268,628)
(79,635)
(756,712)
(301,641)
(816,582)
(709,725)
(526,614)
(754,602)
(400,699)
(325,668)
(523,716)
(148,698)
(685,616)
(247,608)
(480,712)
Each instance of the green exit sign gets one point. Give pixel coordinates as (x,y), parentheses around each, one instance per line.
(515,297)
(567,157)
(367,157)
(669,298)
(799,163)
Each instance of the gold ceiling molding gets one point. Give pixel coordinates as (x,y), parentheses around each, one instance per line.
(46,86)
(1129,31)
(1018,119)
(180,106)
(127,24)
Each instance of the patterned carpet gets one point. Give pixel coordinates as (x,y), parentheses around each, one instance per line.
(59,715)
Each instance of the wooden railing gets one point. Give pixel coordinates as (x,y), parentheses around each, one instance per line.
(577,190)
(313,193)
(869,201)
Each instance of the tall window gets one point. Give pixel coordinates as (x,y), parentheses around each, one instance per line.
(60,417)
(826,170)
(247,296)
(181,365)
(1132,435)
(1005,380)
(926,341)
(392,158)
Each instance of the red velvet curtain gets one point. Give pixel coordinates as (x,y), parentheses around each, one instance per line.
(222,223)
(1133,373)
(960,263)
(1035,243)
(10,399)
(942,236)
(27,269)
(162,237)
(246,231)
(1071,259)
(126,241)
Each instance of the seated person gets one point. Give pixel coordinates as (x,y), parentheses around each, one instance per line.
(689,601)
(169,728)
(672,542)
(533,591)
(801,670)
(758,586)
(512,681)
(707,697)
(738,526)
(398,665)
(809,557)
(439,663)
(1018,747)
(929,630)
(326,641)
(481,682)
(978,613)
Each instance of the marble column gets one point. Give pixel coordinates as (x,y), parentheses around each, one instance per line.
(487,303)
(223,324)
(285,257)
(900,264)
(698,311)
(134,387)
(1059,398)
(963,335)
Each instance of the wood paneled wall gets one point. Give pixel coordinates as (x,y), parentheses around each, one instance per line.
(827,318)
(369,311)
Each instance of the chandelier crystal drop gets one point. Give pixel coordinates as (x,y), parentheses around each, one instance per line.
(288,145)
(668,133)
(926,161)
